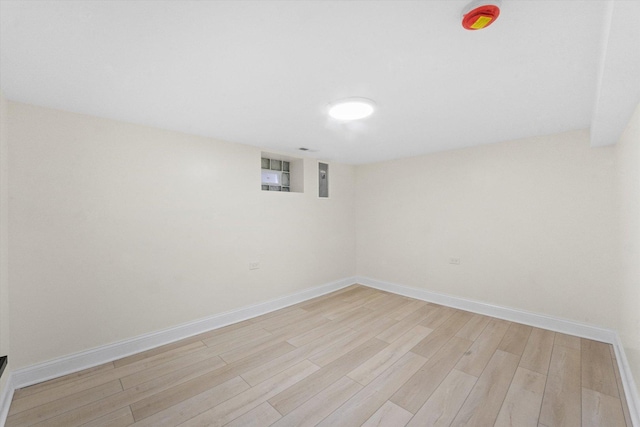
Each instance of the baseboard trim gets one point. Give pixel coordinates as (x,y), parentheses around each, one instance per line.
(87,359)
(5,398)
(628,383)
(532,319)
(514,315)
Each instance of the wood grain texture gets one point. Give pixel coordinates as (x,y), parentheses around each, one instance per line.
(263,415)
(315,333)
(200,381)
(323,404)
(306,389)
(476,358)
(343,346)
(372,368)
(357,356)
(267,370)
(436,339)
(438,316)
(567,341)
(149,374)
(485,399)
(189,408)
(398,329)
(562,394)
(47,385)
(474,327)
(521,406)
(537,352)
(69,388)
(389,415)
(412,395)
(367,401)
(445,402)
(599,409)
(158,351)
(235,339)
(120,418)
(404,311)
(597,368)
(59,406)
(244,402)
(515,340)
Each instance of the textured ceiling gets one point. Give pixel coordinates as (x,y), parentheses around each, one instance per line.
(262,73)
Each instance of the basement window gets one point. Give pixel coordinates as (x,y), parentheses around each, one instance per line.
(281,173)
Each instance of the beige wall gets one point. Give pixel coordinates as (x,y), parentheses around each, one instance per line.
(4,244)
(628,183)
(118,230)
(532,221)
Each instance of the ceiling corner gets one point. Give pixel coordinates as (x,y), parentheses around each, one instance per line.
(618,84)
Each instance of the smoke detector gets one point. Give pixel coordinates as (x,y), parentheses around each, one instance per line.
(480,14)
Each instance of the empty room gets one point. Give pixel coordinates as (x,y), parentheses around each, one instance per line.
(320,213)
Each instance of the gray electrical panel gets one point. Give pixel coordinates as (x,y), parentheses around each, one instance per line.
(323,180)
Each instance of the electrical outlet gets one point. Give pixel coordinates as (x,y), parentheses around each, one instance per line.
(254,265)
(455,261)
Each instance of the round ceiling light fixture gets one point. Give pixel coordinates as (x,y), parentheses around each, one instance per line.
(351,109)
(480,14)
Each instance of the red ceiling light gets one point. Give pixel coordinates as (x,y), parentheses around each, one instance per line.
(480,14)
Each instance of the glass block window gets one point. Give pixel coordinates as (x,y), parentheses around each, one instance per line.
(280,180)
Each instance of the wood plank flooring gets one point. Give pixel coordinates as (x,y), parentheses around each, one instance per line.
(356,357)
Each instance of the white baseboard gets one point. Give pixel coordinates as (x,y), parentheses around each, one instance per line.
(532,319)
(87,359)
(629,385)
(513,315)
(5,398)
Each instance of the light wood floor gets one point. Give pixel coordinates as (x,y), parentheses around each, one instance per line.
(354,357)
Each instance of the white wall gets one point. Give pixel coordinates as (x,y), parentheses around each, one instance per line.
(532,221)
(4,244)
(118,230)
(628,185)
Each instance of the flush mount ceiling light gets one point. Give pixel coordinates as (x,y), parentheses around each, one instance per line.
(351,109)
